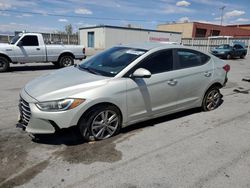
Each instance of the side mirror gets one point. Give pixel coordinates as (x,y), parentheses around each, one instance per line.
(20,43)
(141,73)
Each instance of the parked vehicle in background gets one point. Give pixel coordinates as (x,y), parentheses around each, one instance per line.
(30,47)
(122,86)
(228,52)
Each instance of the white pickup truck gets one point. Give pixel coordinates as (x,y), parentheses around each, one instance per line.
(30,47)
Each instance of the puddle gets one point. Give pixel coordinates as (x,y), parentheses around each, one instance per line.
(13,153)
(87,153)
(26,175)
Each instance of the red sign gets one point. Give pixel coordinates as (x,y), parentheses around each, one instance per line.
(159,39)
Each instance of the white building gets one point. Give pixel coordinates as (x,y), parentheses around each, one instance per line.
(102,37)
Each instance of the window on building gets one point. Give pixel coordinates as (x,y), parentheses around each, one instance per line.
(200,32)
(215,33)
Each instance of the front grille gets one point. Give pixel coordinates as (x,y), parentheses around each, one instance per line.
(25,113)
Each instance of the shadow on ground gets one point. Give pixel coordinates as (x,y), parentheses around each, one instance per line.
(27,67)
(71,136)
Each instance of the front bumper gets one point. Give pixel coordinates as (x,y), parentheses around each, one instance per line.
(220,55)
(40,122)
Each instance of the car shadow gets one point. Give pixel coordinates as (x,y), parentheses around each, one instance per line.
(25,67)
(71,136)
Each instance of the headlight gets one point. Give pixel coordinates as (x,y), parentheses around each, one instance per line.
(60,105)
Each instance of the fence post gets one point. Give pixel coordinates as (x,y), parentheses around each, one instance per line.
(192,41)
(248,46)
(208,40)
(68,38)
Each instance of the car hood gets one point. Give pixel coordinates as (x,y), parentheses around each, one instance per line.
(63,83)
(4,45)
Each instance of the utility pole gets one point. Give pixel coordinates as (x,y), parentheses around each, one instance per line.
(222,10)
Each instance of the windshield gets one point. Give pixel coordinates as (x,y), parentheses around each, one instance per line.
(15,39)
(224,46)
(112,61)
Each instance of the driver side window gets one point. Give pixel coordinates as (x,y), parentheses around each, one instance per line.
(158,62)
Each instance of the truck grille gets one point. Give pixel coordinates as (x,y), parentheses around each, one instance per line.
(25,113)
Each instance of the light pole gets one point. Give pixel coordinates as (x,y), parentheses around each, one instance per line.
(221,18)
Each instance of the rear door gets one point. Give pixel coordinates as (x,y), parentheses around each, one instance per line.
(155,95)
(193,75)
(30,51)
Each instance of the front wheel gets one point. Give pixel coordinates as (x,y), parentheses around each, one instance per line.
(102,122)
(66,61)
(4,64)
(228,56)
(212,99)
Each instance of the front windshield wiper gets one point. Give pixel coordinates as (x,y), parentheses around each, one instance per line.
(89,70)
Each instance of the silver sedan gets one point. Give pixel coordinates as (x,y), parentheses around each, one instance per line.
(122,86)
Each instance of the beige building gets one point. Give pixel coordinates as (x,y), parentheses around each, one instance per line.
(185,28)
(197,29)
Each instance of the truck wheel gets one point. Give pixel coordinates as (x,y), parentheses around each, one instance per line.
(66,61)
(4,64)
(229,56)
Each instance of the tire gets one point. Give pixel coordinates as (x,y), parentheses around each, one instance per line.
(228,56)
(212,99)
(56,64)
(95,125)
(242,56)
(4,64)
(66,61)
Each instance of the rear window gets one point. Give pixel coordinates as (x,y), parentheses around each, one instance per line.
(190,58)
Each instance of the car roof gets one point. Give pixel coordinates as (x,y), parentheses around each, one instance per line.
(151,45)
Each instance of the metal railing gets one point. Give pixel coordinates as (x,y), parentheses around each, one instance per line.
(205,44)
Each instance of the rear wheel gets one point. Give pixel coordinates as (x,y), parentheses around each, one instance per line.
(4,64)
(212,99)
(228,56)
(242,56)
(101,123)
(66,61)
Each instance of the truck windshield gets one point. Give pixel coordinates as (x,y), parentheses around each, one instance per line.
(15,39)
(111,62)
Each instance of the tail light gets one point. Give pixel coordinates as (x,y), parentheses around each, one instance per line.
(226,68)
(83,50)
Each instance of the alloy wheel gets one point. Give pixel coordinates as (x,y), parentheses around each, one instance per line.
(213,99)
(105,124)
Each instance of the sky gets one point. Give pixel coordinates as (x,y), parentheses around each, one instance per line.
(53,15)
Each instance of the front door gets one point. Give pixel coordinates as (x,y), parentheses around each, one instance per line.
(147,97)
(30,51)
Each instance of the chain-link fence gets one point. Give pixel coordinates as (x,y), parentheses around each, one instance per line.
(49,38)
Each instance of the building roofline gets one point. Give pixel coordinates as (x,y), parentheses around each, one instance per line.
(236,25)
(127,28)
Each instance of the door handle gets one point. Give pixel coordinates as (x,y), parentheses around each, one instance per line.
(38,49)
(172,82)
(207,74)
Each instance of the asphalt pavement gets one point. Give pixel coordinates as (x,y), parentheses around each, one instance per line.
(186,149)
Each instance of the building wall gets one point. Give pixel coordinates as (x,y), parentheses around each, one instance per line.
(196,29)
(223,30)
(244,26)
(99,37)
(115,36)
(185,28)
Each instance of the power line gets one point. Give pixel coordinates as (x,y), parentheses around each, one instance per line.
(75,16)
